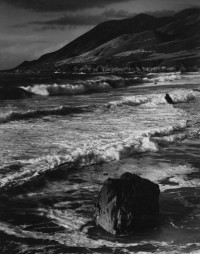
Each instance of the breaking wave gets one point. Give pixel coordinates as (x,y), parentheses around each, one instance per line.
(85,156)
(98,84)
(136,142)
(92,85)
(95,85)
(67,89)
(80,87)
(178,96)
(163,77)
(59,111)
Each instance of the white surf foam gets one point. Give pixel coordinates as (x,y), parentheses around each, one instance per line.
(68,89)
(130,101)
(87,155)
(106,135)
(178,96)
(163,77)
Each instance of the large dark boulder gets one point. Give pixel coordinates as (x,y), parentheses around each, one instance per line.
(128,203)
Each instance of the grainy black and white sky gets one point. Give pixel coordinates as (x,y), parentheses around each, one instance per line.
(31,28)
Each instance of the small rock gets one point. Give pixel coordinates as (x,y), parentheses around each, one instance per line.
(127,203)
(169,99)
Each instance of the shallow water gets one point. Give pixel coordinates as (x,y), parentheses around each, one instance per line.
(53,165)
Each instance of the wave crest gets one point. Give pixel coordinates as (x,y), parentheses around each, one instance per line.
(178,96)
(85,156)
(63,110)
(69,89)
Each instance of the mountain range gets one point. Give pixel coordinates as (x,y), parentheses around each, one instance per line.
(143,39)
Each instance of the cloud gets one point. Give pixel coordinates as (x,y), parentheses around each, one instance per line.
(76,20)
(163,13)
(84,19)
(60,5)
(12,53)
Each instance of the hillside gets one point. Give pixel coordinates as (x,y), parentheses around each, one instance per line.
(124,43)
(143,38)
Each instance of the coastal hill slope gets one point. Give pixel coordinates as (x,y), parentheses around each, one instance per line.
(146,39)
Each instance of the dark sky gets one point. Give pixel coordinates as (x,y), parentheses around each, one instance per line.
(30,28)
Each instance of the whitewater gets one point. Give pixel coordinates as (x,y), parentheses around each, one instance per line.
(58,146)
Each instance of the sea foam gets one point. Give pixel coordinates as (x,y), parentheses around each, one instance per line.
(178,96)
(79,87)
(87,155)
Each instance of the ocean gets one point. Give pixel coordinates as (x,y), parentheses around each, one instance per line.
(59,146)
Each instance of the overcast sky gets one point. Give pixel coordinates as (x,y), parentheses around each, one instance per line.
(31,28)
